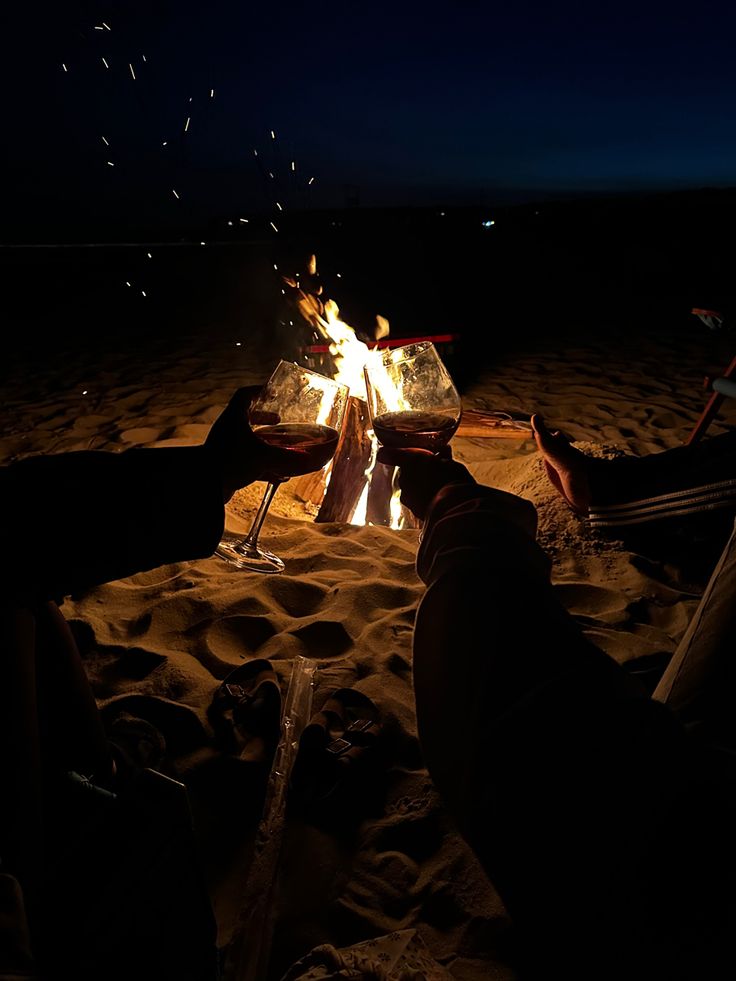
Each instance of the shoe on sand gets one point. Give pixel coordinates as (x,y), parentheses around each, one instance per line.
(246,712)
(337,770)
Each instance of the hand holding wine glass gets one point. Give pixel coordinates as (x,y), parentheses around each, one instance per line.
(297,415)
(415,410)
(412,399)
(240,457)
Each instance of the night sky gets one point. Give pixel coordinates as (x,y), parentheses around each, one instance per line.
(395,104)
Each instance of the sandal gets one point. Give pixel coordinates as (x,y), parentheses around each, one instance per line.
(135,744)
(337,762)
(246,712)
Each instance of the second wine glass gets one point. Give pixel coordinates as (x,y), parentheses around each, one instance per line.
(299,411)
(412,399)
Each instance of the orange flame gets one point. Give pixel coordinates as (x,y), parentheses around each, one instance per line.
(352,357)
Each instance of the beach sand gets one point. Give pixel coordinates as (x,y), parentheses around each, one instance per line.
(158,643)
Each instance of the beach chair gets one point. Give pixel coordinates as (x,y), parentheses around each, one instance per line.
(722,386)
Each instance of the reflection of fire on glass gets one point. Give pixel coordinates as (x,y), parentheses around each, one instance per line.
(354,487)
(312,445)
(423,430)
(300,412)
(412,399)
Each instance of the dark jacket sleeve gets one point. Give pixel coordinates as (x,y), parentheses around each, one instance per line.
(75,520)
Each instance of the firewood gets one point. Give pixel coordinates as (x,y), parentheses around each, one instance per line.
(378,508)
(349,465)
(310,488)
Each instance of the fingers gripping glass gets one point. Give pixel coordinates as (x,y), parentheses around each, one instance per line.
(301,412)
(412,399)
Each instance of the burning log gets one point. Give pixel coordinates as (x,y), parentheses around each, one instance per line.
(349,475)
(378,505)
(350,463)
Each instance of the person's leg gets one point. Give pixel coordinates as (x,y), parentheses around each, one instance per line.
(629,491)
(572,787)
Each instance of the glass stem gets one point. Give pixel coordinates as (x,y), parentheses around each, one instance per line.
(251,539)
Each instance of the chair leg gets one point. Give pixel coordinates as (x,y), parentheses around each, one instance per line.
(711,408)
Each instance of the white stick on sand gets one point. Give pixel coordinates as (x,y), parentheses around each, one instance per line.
(251,947)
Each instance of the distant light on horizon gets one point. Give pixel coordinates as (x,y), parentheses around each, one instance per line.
(488,222)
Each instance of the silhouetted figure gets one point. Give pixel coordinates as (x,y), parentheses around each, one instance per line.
(69,905)
(604,817)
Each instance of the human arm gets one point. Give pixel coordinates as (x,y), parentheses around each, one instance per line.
(74,520)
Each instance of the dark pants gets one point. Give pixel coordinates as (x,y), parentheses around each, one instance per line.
(109,874)
(603,817)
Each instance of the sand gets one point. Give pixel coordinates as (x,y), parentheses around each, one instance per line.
(158,643)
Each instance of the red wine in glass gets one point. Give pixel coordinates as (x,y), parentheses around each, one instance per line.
(300,411)
(423,430)
(412,399)
(311,445)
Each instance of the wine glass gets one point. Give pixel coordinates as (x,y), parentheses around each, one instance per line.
(412,399)
(299,411)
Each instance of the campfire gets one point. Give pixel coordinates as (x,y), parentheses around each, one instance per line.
(353,487)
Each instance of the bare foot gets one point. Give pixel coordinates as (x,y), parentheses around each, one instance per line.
(567,468)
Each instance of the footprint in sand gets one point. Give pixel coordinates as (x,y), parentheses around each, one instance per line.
(324,638)
(232,638)
(298,597)
(133,662)
(593,603)
(142,434)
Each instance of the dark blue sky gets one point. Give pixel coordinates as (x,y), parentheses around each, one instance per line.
(411,103)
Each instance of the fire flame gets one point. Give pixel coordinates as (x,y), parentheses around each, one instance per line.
(353,357)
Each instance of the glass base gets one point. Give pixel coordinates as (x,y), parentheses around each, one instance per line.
(251,558)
